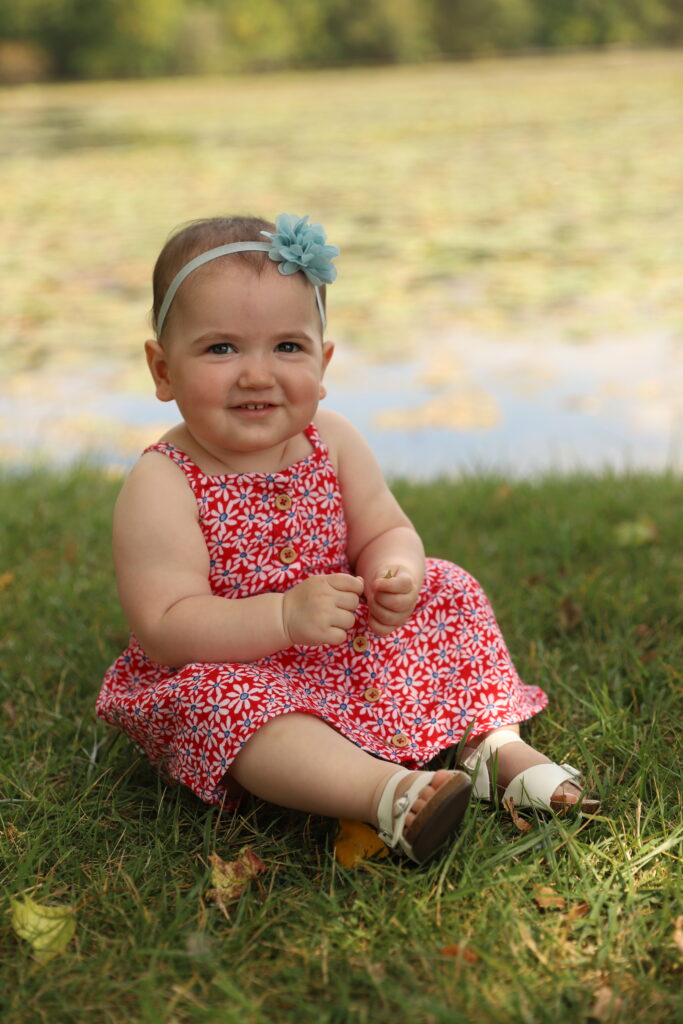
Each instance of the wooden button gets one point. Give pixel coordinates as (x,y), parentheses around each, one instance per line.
(288,554)
(283,502)
(400,740)
(372,694)
(360,644)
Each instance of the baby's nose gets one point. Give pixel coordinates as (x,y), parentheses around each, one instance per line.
(255,372)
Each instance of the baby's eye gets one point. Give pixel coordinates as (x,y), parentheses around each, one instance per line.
(220,348)
(289,346)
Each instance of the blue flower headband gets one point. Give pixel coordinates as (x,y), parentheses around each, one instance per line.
(295,245)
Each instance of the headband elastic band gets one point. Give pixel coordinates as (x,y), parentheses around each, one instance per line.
(295,246)
(207,257)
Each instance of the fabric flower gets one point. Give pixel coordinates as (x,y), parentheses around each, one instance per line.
(298,245)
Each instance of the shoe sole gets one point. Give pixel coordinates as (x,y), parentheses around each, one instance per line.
(584,806)
(440,817)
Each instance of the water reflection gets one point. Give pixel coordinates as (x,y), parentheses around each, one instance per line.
(462,404)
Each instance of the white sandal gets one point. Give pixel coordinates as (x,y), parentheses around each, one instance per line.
(532,787)
(433,824)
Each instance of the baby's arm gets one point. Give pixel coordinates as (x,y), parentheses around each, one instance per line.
(383,546)
(162,570)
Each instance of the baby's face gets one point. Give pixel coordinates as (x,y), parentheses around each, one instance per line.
(244,357)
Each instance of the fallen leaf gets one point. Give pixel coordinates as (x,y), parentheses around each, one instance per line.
(606,1005)
(569,613)
(355,842)
(546,898)
(636,532)
(518,821)
(12,834)
(578,910)
(678,933)
(458,949)
(230,878)
(6,580)
(48,929)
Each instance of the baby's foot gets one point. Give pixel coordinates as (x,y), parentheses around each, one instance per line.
(425,795)
(418,812)
(513,758)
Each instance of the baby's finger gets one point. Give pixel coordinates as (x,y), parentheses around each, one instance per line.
(345,582)
(400,584)
(346,599)
(379,628)
(336,635)
(392,602)
(389,618)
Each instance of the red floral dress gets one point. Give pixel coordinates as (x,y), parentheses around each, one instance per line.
(404,697)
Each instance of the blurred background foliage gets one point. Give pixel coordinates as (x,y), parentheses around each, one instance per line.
(86,39)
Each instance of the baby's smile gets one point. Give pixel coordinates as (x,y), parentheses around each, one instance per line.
(254,406)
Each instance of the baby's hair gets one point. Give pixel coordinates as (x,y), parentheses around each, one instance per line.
(199,236)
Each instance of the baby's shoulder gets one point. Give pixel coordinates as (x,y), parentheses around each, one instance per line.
(343,439)
(155,486)
(334,429)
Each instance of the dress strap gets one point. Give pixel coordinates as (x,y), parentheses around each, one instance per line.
(195,477)
(313,436)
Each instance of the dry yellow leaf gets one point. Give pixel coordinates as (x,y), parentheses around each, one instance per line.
(48,929)
(6,580)
(230,878)
(459,949)
(547,899)
(518,821)
(356,842)
(578,910)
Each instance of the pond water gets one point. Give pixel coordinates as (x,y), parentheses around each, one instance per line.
(460,405)
(511,228)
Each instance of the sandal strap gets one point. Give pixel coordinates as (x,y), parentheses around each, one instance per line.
(477,762)
(534,786)
(391,814)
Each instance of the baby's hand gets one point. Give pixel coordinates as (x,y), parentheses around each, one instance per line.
(321,609)
(391,599)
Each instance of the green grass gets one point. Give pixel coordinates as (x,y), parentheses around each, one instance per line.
(86,821)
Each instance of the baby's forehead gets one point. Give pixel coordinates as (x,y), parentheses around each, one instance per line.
(236,273)
(243,272)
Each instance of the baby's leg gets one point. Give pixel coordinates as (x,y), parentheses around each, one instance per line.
(298,761)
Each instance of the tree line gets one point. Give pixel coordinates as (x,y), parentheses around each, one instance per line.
(83,39)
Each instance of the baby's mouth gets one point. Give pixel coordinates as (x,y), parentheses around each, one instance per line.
(254,406)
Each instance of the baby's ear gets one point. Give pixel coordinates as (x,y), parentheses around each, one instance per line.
(158,367)
(328,352)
